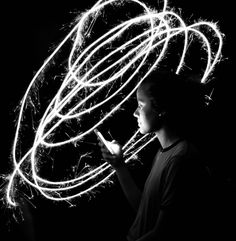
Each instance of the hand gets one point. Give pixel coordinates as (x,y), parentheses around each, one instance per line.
(115,159)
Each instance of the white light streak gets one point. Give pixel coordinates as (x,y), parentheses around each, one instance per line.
(93,69)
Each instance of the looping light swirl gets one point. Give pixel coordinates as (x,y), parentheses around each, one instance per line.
(102,71)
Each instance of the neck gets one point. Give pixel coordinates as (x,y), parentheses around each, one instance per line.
(167,136)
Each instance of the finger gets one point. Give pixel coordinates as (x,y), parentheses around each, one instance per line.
(105,150)
(100,143)
(107,155)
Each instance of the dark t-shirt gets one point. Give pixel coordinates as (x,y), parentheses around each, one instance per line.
(177,183)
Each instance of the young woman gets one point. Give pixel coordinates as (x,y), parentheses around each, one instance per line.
(174,204)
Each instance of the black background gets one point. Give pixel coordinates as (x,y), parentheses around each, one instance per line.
(28,32)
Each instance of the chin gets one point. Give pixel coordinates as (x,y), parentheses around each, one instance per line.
(142,131)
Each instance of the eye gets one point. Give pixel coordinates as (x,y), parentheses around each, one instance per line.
(140,105)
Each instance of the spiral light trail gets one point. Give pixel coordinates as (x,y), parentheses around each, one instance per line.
(108,65)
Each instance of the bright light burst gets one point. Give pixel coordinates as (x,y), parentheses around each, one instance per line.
(109,56)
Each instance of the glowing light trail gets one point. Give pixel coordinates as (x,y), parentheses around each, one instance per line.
(93,69)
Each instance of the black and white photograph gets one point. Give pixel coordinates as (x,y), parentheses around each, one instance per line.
(117,121)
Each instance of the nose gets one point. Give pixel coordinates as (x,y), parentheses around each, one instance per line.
(135,114)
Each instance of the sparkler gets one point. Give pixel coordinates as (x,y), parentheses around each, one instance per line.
(101,72)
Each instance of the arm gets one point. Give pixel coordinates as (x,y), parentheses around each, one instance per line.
(130,189)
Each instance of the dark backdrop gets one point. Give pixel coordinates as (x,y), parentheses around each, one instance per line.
(28,32)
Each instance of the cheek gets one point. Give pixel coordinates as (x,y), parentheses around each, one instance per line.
(150,115)
(148,118)
(151,121)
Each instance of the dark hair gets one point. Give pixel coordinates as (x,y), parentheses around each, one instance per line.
(181,97)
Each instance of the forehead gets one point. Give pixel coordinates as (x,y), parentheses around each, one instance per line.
(141,95)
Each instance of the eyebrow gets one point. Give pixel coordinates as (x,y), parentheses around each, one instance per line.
(140,100)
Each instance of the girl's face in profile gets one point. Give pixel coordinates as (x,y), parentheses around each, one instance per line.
(146,115)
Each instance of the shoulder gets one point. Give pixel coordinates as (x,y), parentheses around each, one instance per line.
(183,152)
(185,158)
(185,149)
